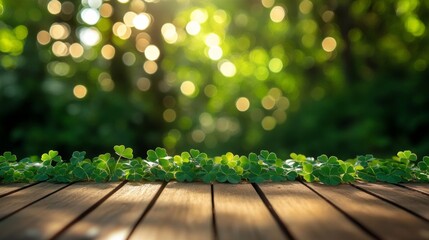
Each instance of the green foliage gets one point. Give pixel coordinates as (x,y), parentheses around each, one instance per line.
(195,166)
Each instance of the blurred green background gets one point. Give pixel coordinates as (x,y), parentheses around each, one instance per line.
(338,77)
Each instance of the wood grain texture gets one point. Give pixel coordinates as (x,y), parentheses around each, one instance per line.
(45,218)
(307,215)
(381,218)
(421,187)
(115,218)
(24,197)
(183,211)
(411,200)
(7,188)
(241,214)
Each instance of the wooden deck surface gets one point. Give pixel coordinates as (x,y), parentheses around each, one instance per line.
(291,210)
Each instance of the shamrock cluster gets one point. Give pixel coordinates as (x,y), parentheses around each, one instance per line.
(197,166)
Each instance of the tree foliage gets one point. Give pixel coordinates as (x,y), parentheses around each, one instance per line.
(341,77)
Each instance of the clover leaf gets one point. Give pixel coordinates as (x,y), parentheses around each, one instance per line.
(124,152)
(424,164)
(51,156)
(8,157)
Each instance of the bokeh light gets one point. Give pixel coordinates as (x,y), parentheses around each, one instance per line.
(329,44)
(169,115)
(108,51)
(268,3)
(152,52)
(90,16)
(169,33)
(80,91)
(59,31)
(54,7)
(89,36)
(106,10)
(43,37)
(193,28)
(187,88)
(242,104)
(150,67)
(227,68)
(142,21)
(143,84)
(277,14)
(268,123)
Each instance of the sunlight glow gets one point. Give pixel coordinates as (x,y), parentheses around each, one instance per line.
(227,68)
(90,16)
(121,30)
(142,21)
(60,49)
(76,50)
(212,40)
(242,104)
(150,67)
(54,7)
(95,3)
(89,36)
(43,37)
(268,102)
(187,88)
(169,33)
(275,65)
(106,10)
(152,52)
(215,53)
(80,91)
(329,44)
(277,14)
(193,28)
(129,18)
(267,3)
(59,30)
(108,51)
(199,15)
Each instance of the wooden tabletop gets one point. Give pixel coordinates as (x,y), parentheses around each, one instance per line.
(290,210)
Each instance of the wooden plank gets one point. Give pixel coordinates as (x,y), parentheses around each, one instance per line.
(381,218)
(241,214)
(115,218)
(45,218)
(182,211)
(414,201)
(25,197)
(7,188)
(421,187)
(307,215)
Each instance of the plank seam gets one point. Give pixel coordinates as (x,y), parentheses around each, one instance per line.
(392,203)
(19,189)
(412,189)
(214,225)
(270,208)
(35,201)
(349,217)
(89,210)
(148,208)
